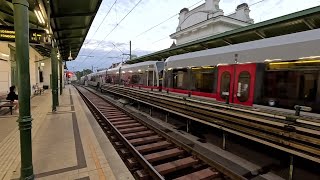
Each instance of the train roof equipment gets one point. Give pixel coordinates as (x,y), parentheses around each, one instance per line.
(287,47)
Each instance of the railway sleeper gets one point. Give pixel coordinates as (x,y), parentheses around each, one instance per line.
(124,152)
(162,155)
(132,163)
(114,116)
(145,140)
(154,146)
(118,144)
(141,175)
(176,165)
(124,122)
(132,130)
(204,174)
(119,119)
(129,125)
(139,134)
(118,113)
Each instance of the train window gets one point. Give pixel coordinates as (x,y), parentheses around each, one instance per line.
(135,79)
(168,79)
(150,78)
(243,86)
(180,79)
(308,87)
(225,85)
(202,79)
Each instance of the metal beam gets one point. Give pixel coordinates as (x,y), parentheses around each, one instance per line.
(260,34)
(67,51)
(201,44)
(227,41)
(73,15)
(70,37)
(3,22)
(309,24)
(70,29)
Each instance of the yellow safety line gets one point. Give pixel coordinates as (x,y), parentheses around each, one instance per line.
(97,162)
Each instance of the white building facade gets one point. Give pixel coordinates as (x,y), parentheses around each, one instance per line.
(207,20)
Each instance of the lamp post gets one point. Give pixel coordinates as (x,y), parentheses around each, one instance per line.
(21,26)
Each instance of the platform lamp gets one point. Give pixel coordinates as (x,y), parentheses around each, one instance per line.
(70,57)
(39,15)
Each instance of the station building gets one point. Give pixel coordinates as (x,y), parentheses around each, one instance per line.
(207,20)
(39,65)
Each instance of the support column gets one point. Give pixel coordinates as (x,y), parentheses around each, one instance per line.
(61,76)
(54,72)
(21,26)
(224,140)
(291,168)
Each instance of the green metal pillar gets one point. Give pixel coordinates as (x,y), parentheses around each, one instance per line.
(21,26)
(54,72)
(61,76)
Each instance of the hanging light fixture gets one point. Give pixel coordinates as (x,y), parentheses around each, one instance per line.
(58,55)
(70,57)
(39,16)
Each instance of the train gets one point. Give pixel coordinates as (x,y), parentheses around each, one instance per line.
(279,72)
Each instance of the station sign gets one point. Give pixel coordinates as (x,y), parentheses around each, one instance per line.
(7,33)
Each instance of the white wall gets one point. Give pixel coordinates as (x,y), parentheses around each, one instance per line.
(46,72)
(5,70)
(5,67)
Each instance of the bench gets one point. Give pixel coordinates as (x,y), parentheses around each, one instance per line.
(7,103)
(37,90)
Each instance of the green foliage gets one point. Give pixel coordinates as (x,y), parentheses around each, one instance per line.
(79,74)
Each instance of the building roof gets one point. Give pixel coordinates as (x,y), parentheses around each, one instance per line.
(296,22)
(70,21)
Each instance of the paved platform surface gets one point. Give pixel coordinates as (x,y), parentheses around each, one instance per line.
(67,144)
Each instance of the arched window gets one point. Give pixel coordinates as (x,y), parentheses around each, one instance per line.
(225,85)
(243,86)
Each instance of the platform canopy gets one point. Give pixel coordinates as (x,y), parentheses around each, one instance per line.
(69,23)
(300,21)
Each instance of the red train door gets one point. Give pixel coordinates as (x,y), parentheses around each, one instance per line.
(225,82)
(240,79)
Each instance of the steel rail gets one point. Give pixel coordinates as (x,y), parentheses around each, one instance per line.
(140,158)
(216,165)
(268,113)
(298,146)
(248,116)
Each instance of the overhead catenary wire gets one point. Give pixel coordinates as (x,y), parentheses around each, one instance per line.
(102,21)
(153,26)
(112,29)
(165,20)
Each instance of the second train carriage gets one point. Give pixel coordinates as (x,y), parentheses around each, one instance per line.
(145,74)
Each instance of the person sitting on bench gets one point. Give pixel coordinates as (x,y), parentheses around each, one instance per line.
(13,97)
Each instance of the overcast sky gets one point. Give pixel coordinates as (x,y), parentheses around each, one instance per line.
(108,30)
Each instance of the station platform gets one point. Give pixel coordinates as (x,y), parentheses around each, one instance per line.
(67,144)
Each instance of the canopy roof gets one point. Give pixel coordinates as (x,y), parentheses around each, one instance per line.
(70,21)
(300,21)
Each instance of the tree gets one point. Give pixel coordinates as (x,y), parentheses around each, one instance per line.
(79,74)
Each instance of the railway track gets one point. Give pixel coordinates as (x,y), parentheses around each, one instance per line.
(285,134)
(148,152)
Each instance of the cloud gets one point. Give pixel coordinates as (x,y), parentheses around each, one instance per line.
(101,58)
